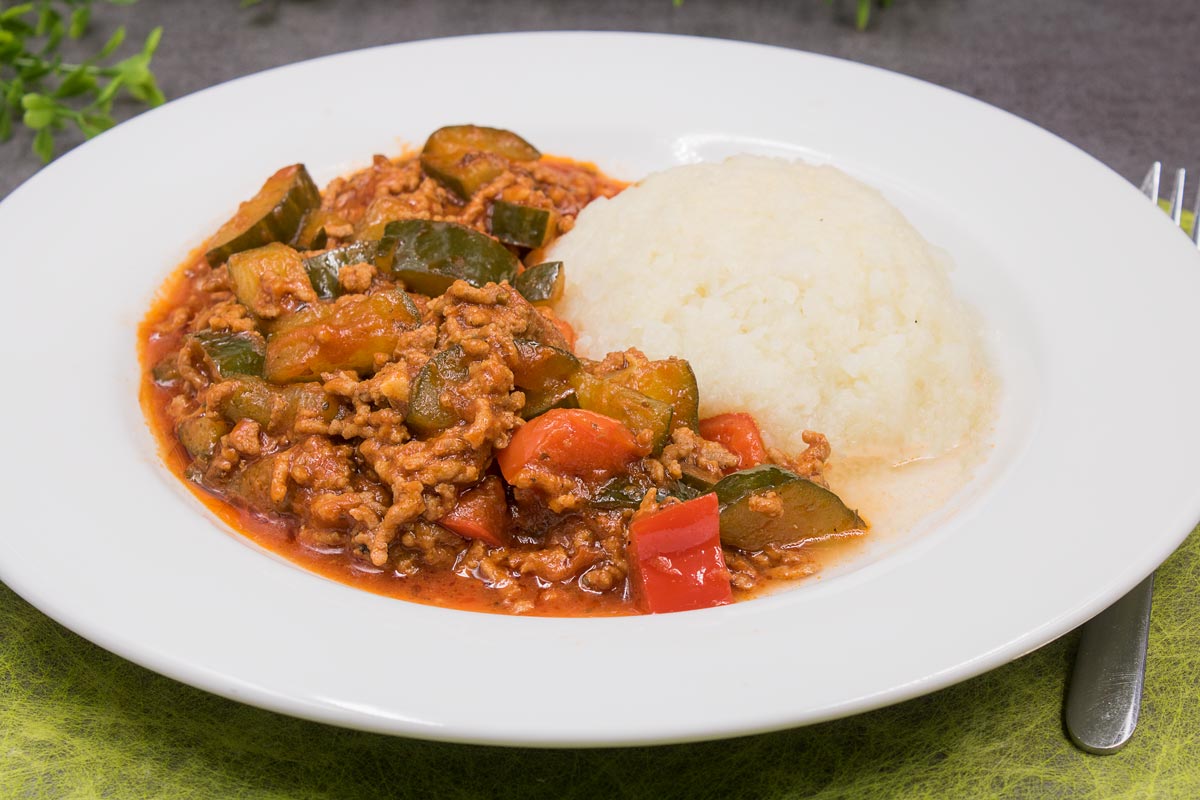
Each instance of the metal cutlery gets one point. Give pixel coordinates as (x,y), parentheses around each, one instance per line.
(1105,692)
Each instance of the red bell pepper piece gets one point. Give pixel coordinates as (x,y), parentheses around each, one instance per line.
(481,513)
(570,441)
(675,558)
(739,434)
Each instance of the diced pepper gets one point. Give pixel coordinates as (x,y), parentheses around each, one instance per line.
(739,434)
(426,412)
(481,513)
(806,510)
(275,214)
(232,353)
(280,265)
(542,283)
(345,334)
(522,225)
(669,381)
(571,442)
(464,158)
(675,558)
(637,411)
(429,256)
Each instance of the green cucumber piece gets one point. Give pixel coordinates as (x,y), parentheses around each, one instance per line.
(251,487)
(465,158)
(637,411)
(275,214)
(624,491)
(810,511)
(240,353)
(542,284)
(344,334)
(426,413)
(544,373)
(312,235)
(275,406)
(670,381)
(201,434)
(323,269)
(429,256)
(248,268)
(524,226)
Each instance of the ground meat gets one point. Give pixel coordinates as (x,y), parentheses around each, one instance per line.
(356,277)
(811,462)
(769,503)
(687,451)
(335,461)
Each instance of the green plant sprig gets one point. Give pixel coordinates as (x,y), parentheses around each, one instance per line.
(48,94)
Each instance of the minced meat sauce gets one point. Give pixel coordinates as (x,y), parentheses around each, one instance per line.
(352,471)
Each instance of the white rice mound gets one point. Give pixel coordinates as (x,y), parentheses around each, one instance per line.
(798,294)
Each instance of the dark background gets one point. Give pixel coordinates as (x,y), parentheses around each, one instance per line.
(1117,78)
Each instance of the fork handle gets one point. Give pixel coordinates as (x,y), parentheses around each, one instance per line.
(1105,694)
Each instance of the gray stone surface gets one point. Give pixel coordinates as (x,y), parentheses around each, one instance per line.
(1118,78)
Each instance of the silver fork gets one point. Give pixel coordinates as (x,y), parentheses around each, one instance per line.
(1105,693)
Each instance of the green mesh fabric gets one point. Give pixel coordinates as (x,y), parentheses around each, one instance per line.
(80,722)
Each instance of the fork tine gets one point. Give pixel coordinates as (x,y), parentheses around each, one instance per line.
(1177,195)
(1196,221)
(1152,180)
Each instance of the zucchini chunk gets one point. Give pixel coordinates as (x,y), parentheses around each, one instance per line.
(808,511)
(345,334)
(542,284)
(670,381)
(201,434)
(624,491)
(275,407)
(323,269)
(465,158)
(284,271)
(636,410)
(240,353)
(429,256)
(544,373)
(426,412)
(312,235)
(524,226)
(275,214)
(251,487)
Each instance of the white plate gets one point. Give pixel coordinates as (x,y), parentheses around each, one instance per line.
(1088,293)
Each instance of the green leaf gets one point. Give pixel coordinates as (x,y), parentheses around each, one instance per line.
(134,69)
(37,102)
(79,21)
(40,118)
(105,97)
(5,124)
(12,97)
(16,12)
(100,122)
(112,44)
(43,144)
(76,83)
(863,14)
(152,43)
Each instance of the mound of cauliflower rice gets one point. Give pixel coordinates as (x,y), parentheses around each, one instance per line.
(797,293)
